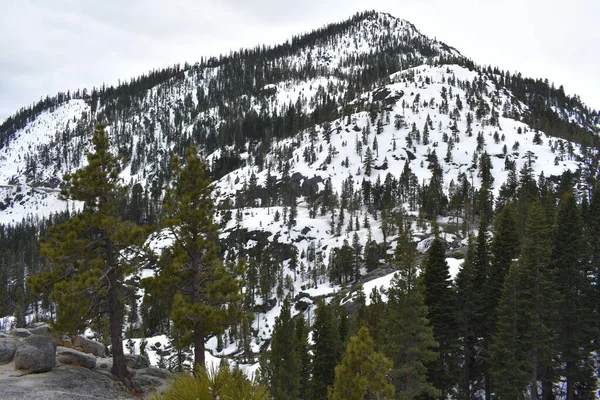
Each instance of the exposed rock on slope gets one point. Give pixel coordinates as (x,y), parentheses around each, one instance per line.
(62,372)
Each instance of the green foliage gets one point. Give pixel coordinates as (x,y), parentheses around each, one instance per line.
(214,384)
(575,324)
(523,348)
(440,299)
(304,355)
(208,293)
(511,364)
(409,341)
(91,253)
(363,372)
(468,297)
(326,350)
(284,360)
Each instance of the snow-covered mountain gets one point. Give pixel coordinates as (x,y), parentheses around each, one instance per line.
(332,124)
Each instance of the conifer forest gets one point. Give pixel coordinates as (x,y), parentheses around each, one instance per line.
(360,212)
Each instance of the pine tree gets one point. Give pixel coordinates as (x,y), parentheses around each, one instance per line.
(368,161)
(89,251)
(304,356)
(409,341)
(480,284)
(362,374)
(511,363)
(505,248)
(575,308)
(470,312)
(593,241)
(326,351)
(207,291)
(284,360)
(440,300)
(526,313)
(481,321)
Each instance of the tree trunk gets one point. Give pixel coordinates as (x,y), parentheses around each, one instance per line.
(570,380)
(467,369)
(487,377)
(199,349)
(119,368)
(547,384)
(115,319)
(487,385)
(534,378)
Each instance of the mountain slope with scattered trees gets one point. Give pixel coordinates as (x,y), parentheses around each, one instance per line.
(374,194)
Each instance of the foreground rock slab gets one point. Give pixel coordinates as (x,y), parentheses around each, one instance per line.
(64,382)
(8,346)
(36,353)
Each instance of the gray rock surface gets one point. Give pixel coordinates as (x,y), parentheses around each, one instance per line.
(136,361)
(76,357)
(20,332)
(79,376)
(150,380)
(90,346)
(39,328)
(64,382)
(8,346)
(36,353)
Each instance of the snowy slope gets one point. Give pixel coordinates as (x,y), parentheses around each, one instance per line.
(54,143)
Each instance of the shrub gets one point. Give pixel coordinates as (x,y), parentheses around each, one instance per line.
(219,383)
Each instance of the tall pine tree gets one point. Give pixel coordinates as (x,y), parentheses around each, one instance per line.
(363,372)
(208,292)
(284,361)
(409,341)
(89,252)
(440,300)
(574,324)
(326,351)
(523,350)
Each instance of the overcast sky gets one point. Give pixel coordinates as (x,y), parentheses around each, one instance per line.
(48,46)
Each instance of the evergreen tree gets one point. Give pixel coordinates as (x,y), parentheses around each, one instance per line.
(284,361)
(575,327)
(593,241)
(89,252)
(492,264)
(368,162)
(409,341)
(304,356)
(207,291)
(362,374)
(469,306)
(440,299)
(511,363)
(481,317)
(326,351)
(526,312)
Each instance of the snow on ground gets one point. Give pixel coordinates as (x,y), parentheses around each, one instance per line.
(21,202)
(454,266)
(381,284)
(42,130)
(346,165)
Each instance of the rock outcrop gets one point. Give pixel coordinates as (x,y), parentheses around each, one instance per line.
(39,328)
(71,356)
(90,346)
(36,353)
(136,361)
(21,332)
(8,346)
(33,367)
(64,382)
